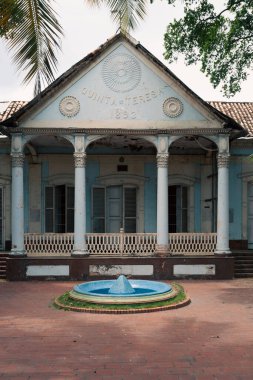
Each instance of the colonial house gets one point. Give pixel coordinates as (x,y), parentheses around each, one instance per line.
(118,167)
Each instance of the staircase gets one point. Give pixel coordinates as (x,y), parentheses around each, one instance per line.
(243,264)
(3,265)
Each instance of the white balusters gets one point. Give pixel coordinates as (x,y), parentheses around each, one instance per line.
(121,244)
(192,244)
(49,243)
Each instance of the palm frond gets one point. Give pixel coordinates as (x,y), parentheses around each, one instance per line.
(126,13)
(36,40)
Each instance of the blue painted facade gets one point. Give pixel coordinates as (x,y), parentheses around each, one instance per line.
(26,196)
(141,111)
(150,195)
(235,200)
(92,172)
(44,179)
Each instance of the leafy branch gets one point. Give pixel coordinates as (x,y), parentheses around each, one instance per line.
(220,41)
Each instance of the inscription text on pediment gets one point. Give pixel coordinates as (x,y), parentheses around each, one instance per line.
(123,106)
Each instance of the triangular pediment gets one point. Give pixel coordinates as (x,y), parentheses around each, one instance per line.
(119,86)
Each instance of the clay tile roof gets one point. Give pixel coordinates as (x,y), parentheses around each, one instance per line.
(239,111)
(9,108)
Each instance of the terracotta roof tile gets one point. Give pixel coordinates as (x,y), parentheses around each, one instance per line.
(242,112)
(9,108)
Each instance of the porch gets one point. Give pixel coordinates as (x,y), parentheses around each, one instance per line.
(120,244)
(49,256)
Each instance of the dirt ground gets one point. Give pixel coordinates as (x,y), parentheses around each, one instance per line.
(212,338)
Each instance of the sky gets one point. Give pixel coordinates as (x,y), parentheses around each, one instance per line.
(86,28)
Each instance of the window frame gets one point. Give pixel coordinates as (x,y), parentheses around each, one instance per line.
(124,186)
(179,208)
(66,224)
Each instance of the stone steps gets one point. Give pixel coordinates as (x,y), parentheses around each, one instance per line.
(243,265)
(3,265)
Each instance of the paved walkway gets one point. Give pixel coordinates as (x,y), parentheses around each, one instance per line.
(210,339)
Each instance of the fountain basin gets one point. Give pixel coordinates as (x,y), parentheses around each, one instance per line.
(123,296)
(140,287)
(137,291)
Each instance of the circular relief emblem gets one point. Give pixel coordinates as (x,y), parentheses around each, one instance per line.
(121,73)
(172,107)
(69,106)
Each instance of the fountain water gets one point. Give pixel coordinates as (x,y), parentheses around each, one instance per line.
(122,291)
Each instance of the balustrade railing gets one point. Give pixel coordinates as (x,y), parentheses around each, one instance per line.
(120,244)
(192,244)
(49,243)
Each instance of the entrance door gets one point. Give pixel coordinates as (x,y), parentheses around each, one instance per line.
(114,202)
(250,215)
(114,207)
(1,219)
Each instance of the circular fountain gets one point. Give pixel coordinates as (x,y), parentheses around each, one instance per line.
(123,295)
(122,291)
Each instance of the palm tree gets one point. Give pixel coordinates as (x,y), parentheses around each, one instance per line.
(33,32)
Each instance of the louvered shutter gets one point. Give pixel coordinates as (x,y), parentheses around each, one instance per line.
(99,209)
(49,209)
(70,209)
(130,209)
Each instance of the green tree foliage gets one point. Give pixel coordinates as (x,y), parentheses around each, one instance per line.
(221,40)
(9,18)
(33,32)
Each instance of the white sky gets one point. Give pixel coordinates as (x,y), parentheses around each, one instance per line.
(87,28)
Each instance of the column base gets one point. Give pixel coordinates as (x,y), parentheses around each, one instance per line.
(222,252)
(80,253)
(18,253)
(162,250)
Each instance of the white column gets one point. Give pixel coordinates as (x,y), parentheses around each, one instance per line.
(17,205)
(223,204)
(80,248)
(162,247)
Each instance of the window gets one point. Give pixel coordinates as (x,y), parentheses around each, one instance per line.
(122,168)
(130,209)
(178,209)
(59,209)
(114,207)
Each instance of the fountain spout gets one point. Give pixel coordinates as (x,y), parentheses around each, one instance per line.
(121,286)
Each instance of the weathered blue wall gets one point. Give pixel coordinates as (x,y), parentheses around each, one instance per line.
(26,196)
(235,200)
(44,178)
(197,207)
(150,192)
(92,172)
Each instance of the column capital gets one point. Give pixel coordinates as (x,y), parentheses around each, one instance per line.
(17,159)
(80,159)
(162,160)
(223,160)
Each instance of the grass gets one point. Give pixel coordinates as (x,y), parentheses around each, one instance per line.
(68,302)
